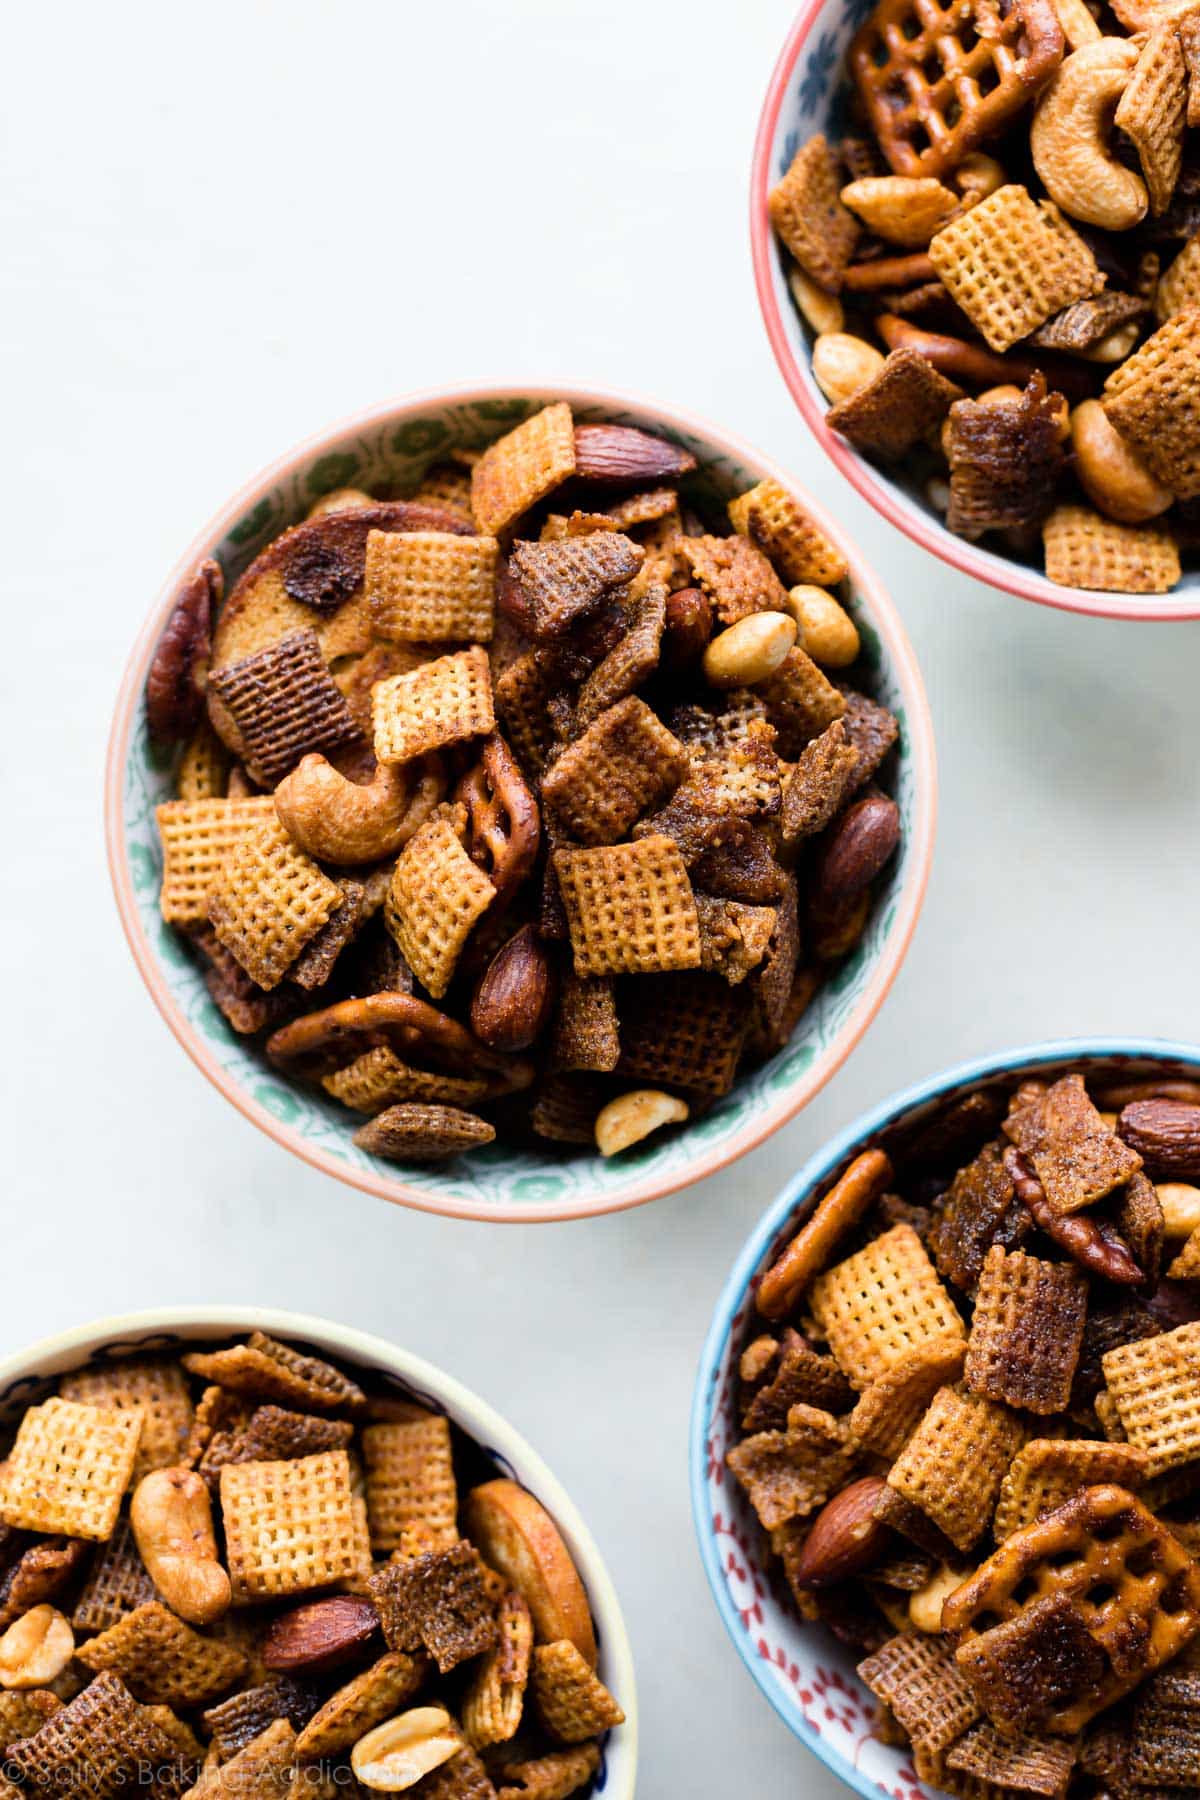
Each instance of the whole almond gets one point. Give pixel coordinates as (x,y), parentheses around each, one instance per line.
(1166,1135)
(619,454)
(512,1002)
(688,627)
(856,848)
(320,1634)
(845,1539)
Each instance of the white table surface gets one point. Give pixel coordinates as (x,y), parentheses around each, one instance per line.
(226,226)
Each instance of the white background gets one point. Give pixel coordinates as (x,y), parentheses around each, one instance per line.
(228,225)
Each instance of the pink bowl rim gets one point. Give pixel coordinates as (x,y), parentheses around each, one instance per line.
(993,571)
(637,1191)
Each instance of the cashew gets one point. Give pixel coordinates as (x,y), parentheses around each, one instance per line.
(1069,137)
(842,364)
(36,1649)
(823,311)
(1112,474)
(631,1117)
(396,1754)
(925,1606)
(978,175)
(827,633)
(341,821)
(171,1516)
(749,650)
(1180,1204)
(340,500)
(901,209)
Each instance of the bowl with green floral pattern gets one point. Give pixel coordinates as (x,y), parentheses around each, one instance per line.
(405,448)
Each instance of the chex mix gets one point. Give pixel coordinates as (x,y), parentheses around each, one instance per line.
(239,1572)
(540,801)
(970,1407)
(999,264)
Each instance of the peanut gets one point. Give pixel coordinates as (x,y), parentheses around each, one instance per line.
(925,1606)
(824,312)
(631,1117)
(1180,1203)
(340,500)
(827,633)
(750,650)
(171,1516)
(396,1754)
(978,175)
(36,1648)
(1113,476)
(1115,346)
(902,209)
(842,364)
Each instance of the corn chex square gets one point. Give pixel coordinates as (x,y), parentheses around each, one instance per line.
(159,1388)
(1153,400)
(410,1479)
(197,836)
(774,519)
(522,467)
(1086,550)
(290,1527)
(630,908)
(69,1468)
(954,1462)
(1156,1386)
(269,902)
(442,702)
(436,895)
(881,1304)
(426,586)
(1011,264)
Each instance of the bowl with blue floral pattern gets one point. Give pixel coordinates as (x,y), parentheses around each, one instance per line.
(389,451)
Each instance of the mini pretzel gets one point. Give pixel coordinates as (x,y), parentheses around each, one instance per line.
(329,1039)
(836,1213)
(503,827)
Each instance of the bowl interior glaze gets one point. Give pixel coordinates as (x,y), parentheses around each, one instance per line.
(387,451)
(809,92)
(809,1677)
(29,1375)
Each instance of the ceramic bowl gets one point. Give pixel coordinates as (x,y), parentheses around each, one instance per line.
(389,448)
(804,1672)
(28,1375)
(807,94)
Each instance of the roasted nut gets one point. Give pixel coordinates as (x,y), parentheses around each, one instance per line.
(171,1517)
(340,500)
(1166,1135)
(346,822)
(621,454)
(631,1117)
(1115,346)
(687,628)
(1069,137)
(396,1754)
(1180,1203)
(842,364)
(901,209)
(1093,1243)
(175,683)
(319,1635)
(858,846)
(750,650)
(846,1537)
(925,1605)
(1112,474)
(978,175)
(36,1649)
(826,632)
(823,311)
(1007,393)
(513,1000)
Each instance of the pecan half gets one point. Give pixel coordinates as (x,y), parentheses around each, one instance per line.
(1094,1245)
(175,683)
